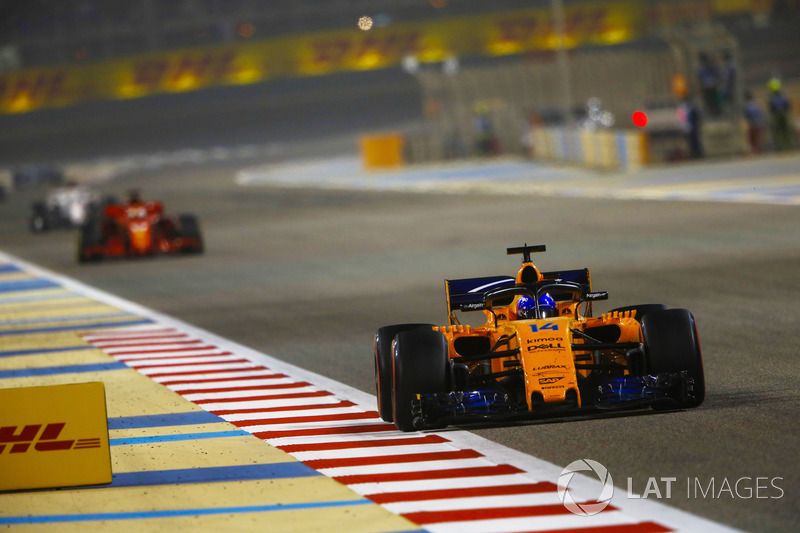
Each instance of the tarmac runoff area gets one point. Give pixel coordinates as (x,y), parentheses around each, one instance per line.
(769,179)
(208,435)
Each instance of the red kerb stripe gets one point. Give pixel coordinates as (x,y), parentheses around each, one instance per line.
(495,470)
(467,492)
(458,515)
(250,387)
(392,459)
(208,371)
(143,359)
(312,418)
(284,408)
(165,350)
(346,445)
(213,380)
(194,363)
(340,430)
(273,397)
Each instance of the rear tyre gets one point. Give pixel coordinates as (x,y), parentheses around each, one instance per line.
(383,365)
(419,359)
(91,236)
(38,220)
(189,229)
(671,345)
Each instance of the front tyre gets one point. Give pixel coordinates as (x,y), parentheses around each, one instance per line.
(38,220)
(89,240)
(383,365)
(671,345)
(419,365)
(189,230)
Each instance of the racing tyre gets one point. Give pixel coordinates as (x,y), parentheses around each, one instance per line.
(671,345)
(38,221)
(91,235)
(383,365)
(189,228)
(419,365)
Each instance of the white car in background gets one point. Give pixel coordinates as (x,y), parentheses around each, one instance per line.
(64,207)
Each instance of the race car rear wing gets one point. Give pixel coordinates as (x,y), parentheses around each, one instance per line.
(468,294)
(581,276)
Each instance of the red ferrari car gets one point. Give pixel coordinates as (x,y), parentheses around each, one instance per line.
(137,228)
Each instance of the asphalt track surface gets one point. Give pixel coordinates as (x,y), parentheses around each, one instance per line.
(307,275)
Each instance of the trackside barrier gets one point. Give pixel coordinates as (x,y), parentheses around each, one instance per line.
(604,149)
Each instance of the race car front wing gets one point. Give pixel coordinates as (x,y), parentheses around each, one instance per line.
(659,390)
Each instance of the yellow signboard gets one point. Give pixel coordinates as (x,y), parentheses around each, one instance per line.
(54,436)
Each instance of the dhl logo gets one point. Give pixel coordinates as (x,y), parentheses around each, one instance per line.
(214,66)
(337,50)
(523,28)
(21,440)
(39,85)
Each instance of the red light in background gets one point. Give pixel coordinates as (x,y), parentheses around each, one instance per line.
(640,119)
(246,30)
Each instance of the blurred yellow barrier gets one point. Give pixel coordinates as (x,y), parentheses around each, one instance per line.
(382,150)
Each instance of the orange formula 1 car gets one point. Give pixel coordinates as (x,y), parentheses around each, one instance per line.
(540,352)
(135,229)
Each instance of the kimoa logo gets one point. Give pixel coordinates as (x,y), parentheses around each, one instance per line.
(47,441)
(591,507)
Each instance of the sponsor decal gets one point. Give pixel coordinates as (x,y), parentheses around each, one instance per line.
(20,440)
(550,367)
(54,436)
(548,381)
(545,347)
(353,50)
(180,71)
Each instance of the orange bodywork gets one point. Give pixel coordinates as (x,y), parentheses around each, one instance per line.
(546,349)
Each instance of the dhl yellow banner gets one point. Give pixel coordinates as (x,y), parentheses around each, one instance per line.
(54,436)
(512,32)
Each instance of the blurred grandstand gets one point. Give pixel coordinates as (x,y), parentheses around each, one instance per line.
(435,61)
(46,32)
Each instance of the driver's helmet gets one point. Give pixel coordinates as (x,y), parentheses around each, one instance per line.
(526,308)
(134,196)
